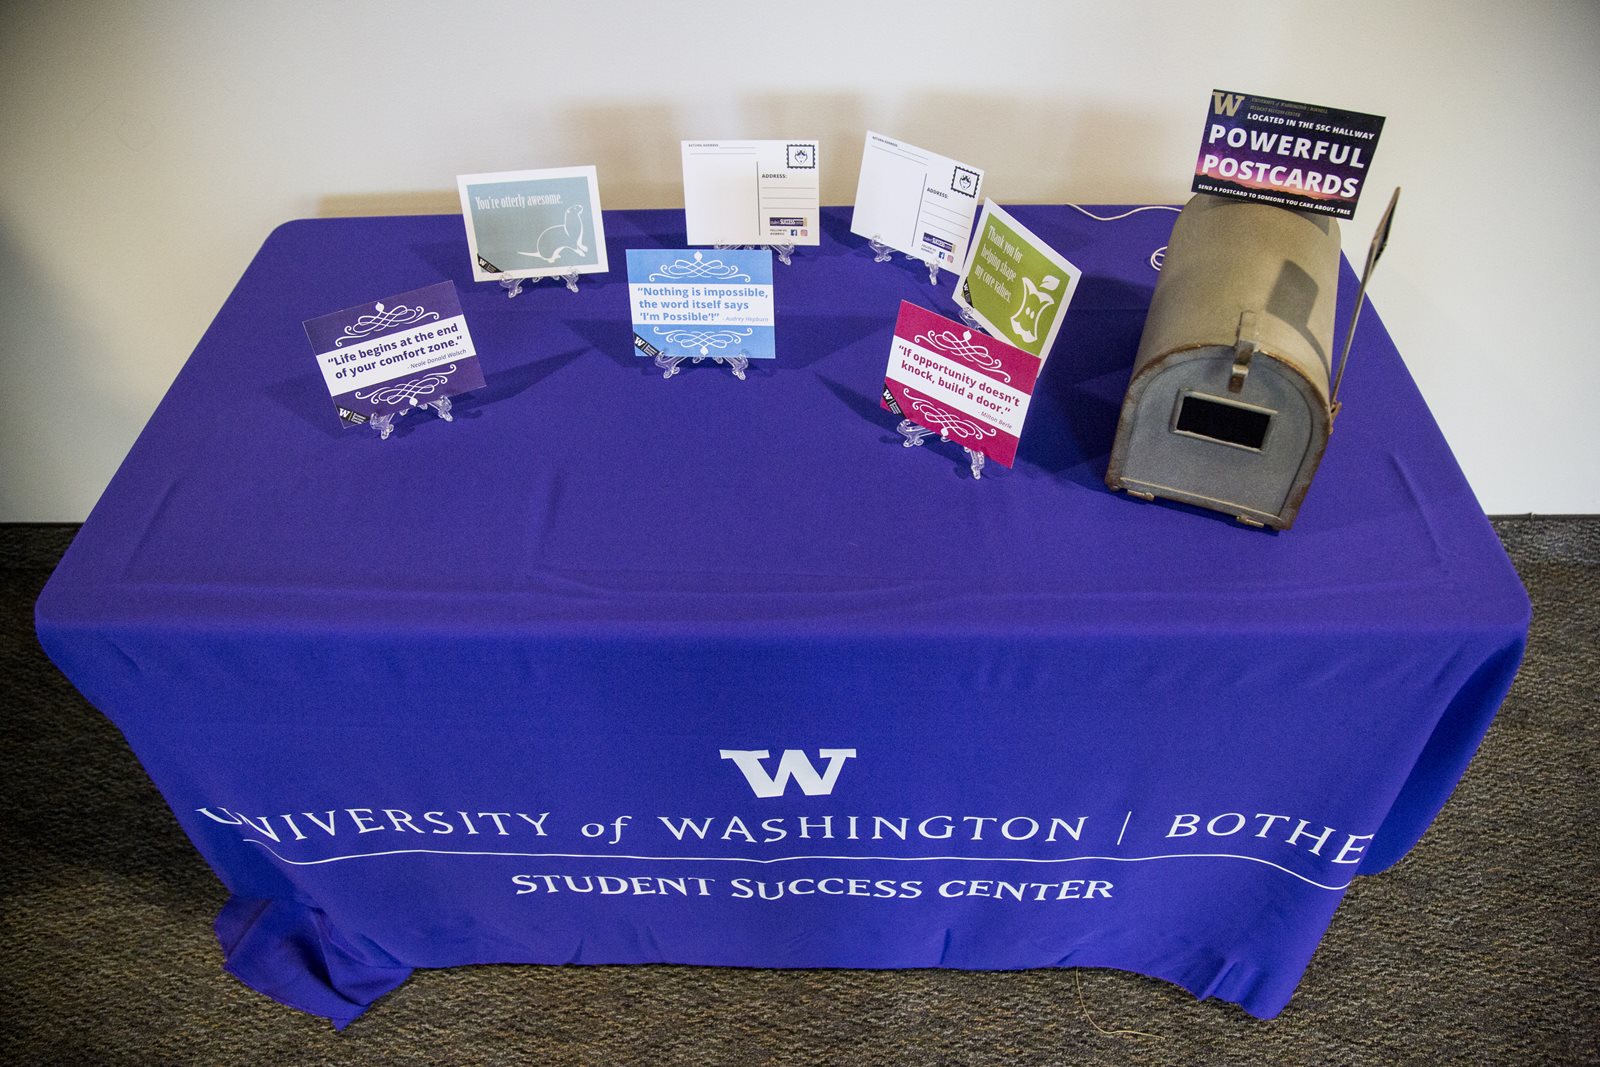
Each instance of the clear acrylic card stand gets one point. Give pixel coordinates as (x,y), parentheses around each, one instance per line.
(882,253)
(785,253)
(383,424)
(915,434)
(669,364)
(513,286)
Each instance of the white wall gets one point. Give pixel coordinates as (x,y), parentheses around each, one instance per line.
(147,149)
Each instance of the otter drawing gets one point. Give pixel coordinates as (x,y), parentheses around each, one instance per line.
(567,236)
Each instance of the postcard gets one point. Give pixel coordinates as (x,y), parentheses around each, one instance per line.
(916,201)
(394,354)
(533,223)
(1294,155)
(1016,286)
(954,381)
(693,303)
(751,192)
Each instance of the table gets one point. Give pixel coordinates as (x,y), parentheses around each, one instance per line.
(615,669)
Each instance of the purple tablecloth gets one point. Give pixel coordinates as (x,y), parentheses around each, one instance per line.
(617,669)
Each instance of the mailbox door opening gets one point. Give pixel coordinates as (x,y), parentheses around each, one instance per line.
(1223,421)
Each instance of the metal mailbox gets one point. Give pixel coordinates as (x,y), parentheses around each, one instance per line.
(1229,404)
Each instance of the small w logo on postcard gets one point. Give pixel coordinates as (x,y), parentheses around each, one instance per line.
(1225,102)
(794,765)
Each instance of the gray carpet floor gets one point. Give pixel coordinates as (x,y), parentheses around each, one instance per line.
(1479,947)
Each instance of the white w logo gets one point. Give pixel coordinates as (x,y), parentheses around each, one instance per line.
(793,764)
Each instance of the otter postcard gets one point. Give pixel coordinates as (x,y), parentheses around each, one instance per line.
(533,223)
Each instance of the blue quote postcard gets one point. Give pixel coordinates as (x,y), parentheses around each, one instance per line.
(702,303)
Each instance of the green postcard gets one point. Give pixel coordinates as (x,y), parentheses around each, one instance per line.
(1016,286)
